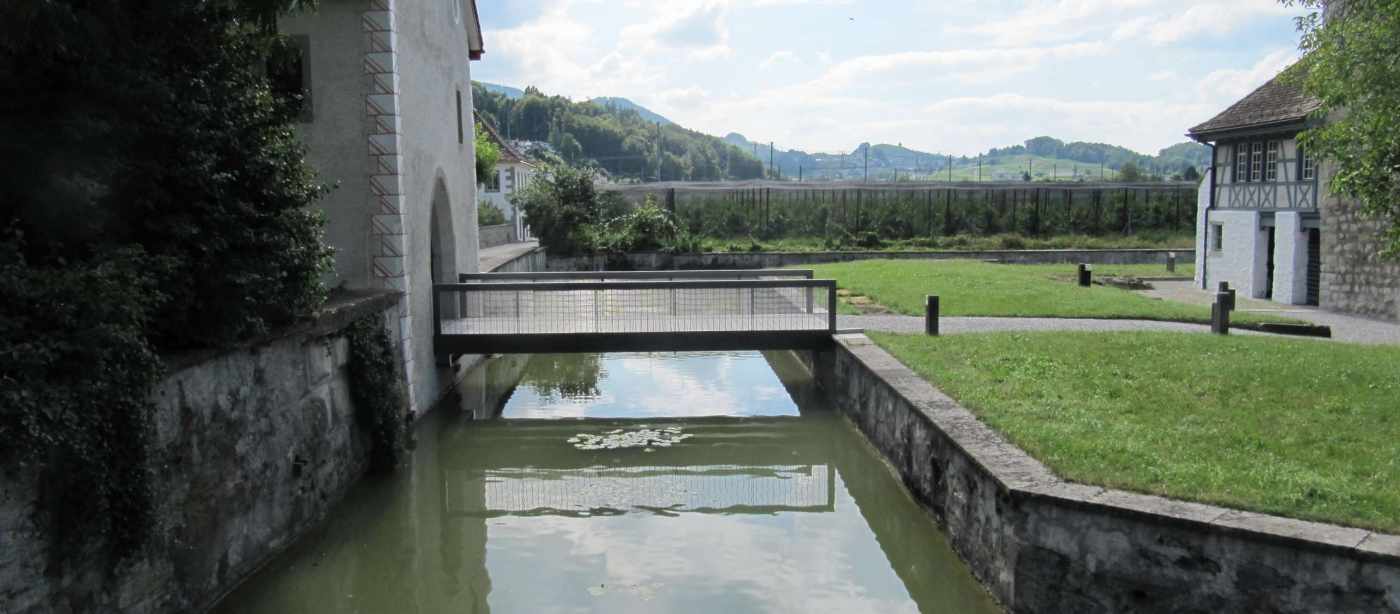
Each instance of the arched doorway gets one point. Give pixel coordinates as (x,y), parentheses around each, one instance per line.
(442,242)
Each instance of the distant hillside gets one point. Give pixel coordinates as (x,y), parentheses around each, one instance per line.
(504,90)
(1041,157)
(625,104)
(620,136)
(613,136)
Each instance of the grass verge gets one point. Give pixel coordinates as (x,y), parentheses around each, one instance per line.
(971,288)
(1305,429)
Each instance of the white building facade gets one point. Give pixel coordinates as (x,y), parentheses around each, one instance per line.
(1269,223)
(1260,226)
(389,123)
(514,171)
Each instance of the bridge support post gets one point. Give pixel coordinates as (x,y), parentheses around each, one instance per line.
(831,307)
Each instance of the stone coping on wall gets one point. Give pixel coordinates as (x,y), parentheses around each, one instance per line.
(342,308)
(1022,477)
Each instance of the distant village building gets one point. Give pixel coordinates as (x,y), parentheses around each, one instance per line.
(388,121)
(513,172)
(1268,224)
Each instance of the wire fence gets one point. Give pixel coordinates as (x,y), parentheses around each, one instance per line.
(771,210)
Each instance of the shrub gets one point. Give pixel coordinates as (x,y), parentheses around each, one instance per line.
(562,208)
(488,215)
(156,198)
(377,392)
(75,370)
(648,228)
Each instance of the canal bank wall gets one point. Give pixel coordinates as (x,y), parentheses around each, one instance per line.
(252,448)
(660,261)
(1041,544)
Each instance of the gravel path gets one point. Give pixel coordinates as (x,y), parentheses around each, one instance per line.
(956,326)
(1348,328)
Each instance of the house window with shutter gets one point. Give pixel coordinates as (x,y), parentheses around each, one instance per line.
(1309,170)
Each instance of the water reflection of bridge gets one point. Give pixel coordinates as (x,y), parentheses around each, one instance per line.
(759,466)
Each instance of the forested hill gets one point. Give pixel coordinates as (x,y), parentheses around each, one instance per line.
(620,137)
(1041,157)
(615,137)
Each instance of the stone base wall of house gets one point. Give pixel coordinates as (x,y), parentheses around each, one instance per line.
(253,448)
(1041,544)
(1355,279)
(656,261)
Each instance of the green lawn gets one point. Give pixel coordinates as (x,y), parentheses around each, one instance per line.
(1307,429)
(970,288)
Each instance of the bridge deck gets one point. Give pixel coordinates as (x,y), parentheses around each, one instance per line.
(649,310)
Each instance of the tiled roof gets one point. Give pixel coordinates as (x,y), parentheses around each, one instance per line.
(508,153)
(1276,102)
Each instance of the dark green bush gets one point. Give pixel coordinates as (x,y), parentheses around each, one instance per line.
(155,197)
(75,371)
(488,215)
(562,207)
(377,392)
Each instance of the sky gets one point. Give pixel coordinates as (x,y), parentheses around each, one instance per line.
(950,77)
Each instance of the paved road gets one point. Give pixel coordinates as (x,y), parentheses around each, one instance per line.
(493,257)
(955,326)
(1353,329)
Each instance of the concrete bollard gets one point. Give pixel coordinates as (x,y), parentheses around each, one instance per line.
(1086,276)
(931,315)
(1171,262)
(1220,314)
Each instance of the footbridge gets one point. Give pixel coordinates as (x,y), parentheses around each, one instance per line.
(607,311)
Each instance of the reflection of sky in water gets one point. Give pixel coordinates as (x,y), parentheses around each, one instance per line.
(663,384)
(787,562)
(748,516)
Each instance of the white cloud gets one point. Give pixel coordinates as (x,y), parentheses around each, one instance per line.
(1160,21)
(1216,18)
(1162,75)
(779,58)
(960,63)
(1227,85)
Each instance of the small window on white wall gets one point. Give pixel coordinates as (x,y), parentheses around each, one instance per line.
(1217,237)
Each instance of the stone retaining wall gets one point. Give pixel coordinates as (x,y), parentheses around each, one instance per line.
(253,448)
(1041,544)
(1355,279)
(492,236)
(655,261)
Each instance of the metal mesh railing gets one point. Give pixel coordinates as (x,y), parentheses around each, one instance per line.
(634,305)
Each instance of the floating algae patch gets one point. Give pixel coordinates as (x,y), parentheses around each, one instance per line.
(619,439)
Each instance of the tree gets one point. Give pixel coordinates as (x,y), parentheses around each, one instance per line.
(1190,174)
(487,155)
(561,207)
(1130,172)
(1349,65)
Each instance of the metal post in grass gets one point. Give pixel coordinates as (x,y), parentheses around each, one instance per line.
(931,315)
(1220,314)
(1171,262)
(1086,275)
(1224,288)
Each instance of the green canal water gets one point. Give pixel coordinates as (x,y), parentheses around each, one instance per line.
(709,482)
